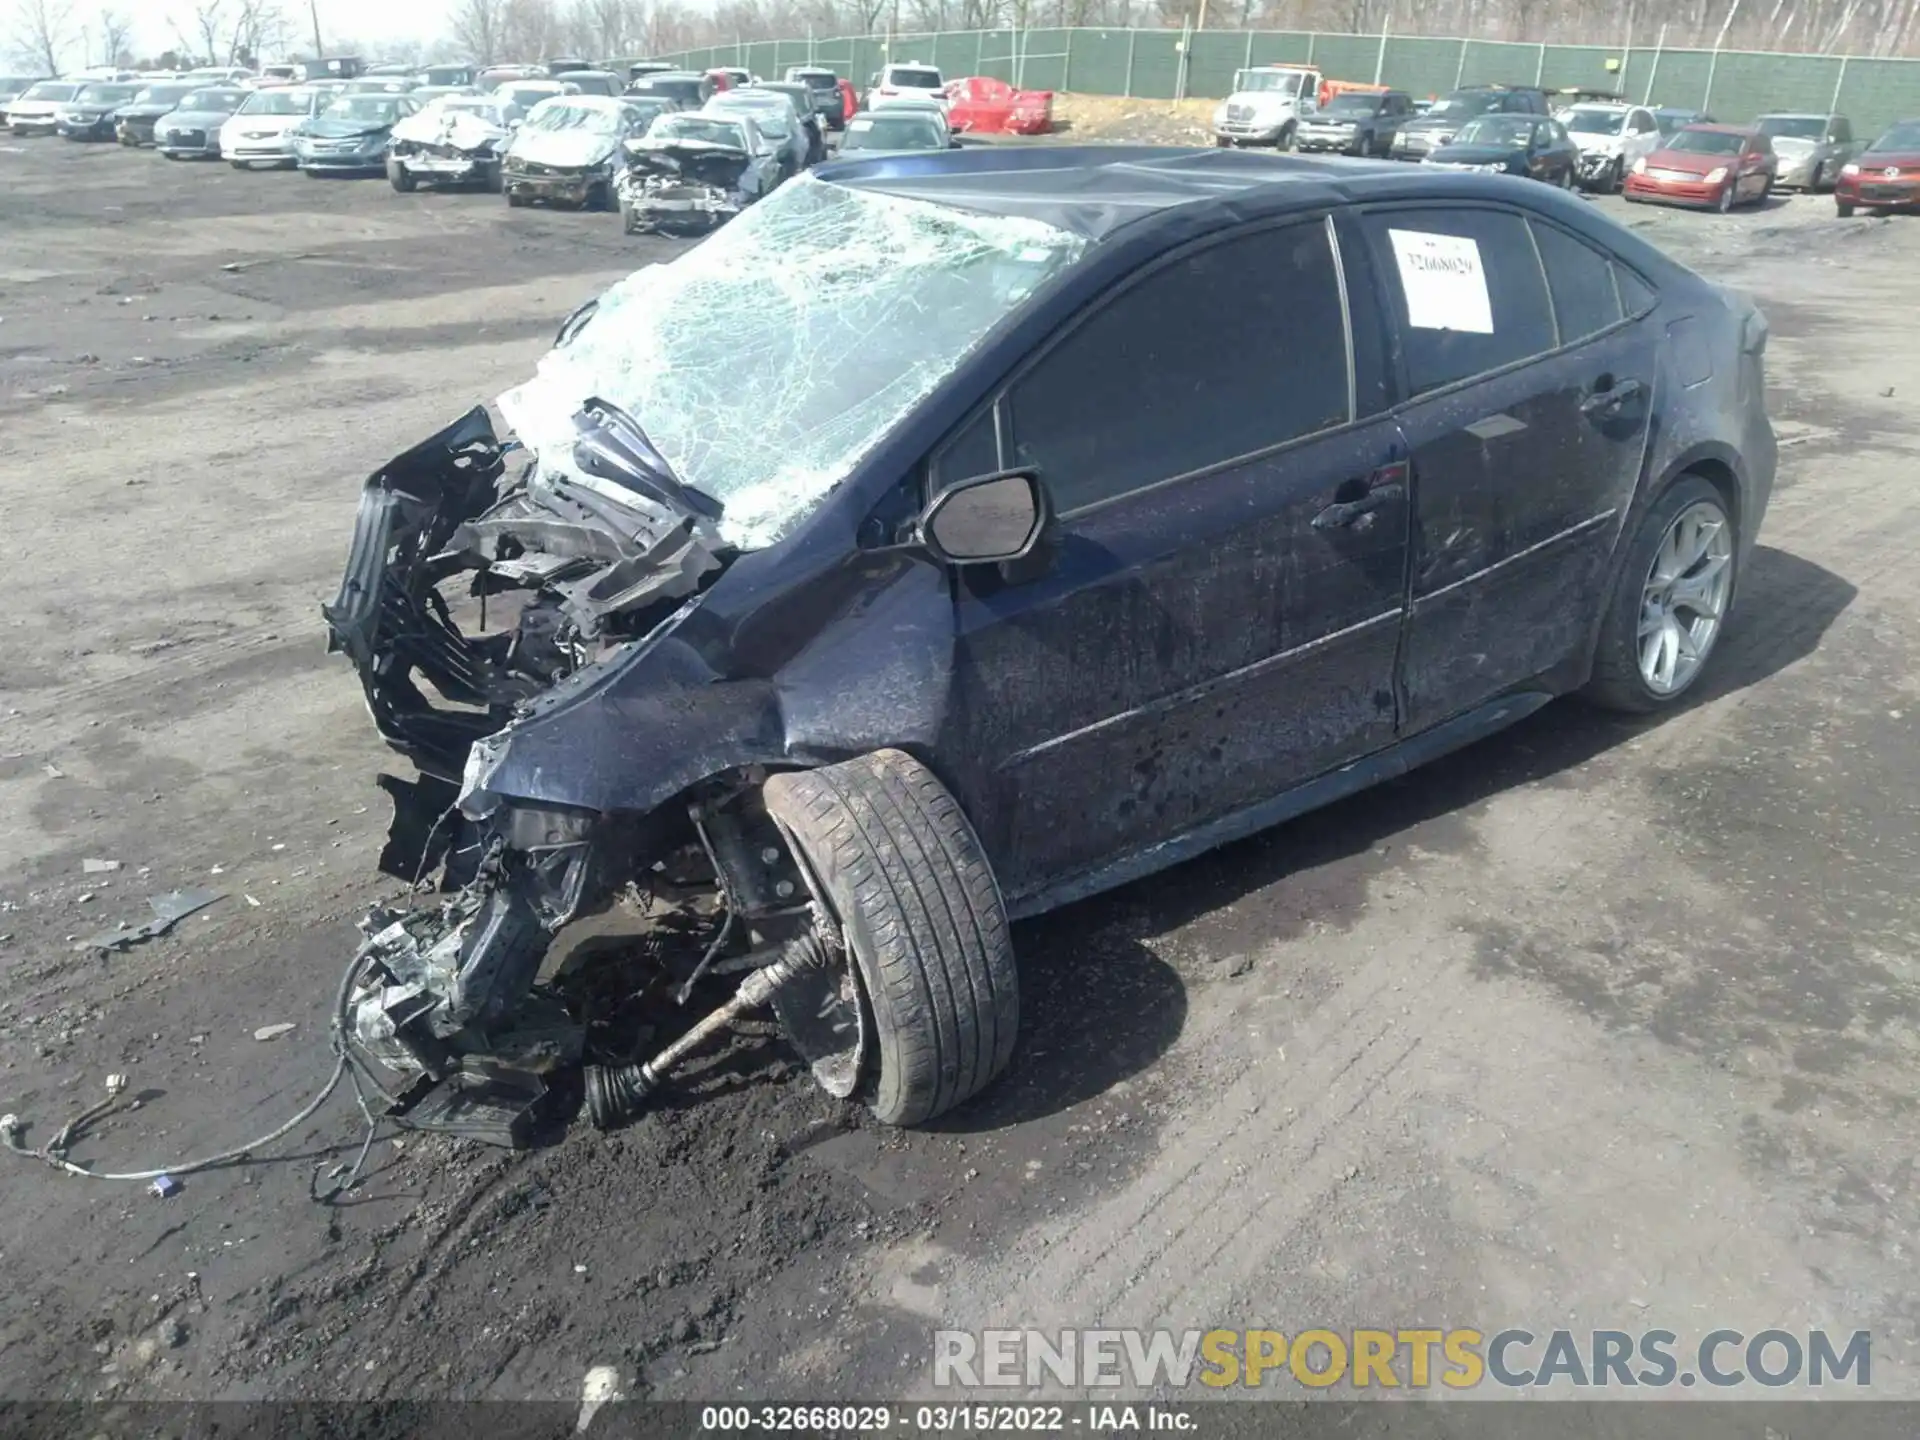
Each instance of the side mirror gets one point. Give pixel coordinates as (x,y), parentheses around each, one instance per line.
(985,520)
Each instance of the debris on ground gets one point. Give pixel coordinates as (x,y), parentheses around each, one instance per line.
(273,1032)
(168,910)
(165,1186)
(99,867)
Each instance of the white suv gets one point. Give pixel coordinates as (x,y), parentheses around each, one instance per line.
(907,81)
(1611,138)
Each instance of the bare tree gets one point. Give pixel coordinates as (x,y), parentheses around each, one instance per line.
(115,31)
(42,29)
(480,27)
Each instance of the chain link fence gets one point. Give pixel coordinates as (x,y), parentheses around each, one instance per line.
(1731,85)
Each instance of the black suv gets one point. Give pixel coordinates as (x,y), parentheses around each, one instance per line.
(828,98)
(1427,133)
(1358,122)
(1149,498)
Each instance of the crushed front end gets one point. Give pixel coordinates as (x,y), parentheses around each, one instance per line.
(681,186)
(472,587)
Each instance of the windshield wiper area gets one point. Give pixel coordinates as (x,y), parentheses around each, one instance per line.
(612,446)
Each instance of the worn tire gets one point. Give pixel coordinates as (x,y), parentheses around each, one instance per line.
(895,858)
(1616,683)
(400,178)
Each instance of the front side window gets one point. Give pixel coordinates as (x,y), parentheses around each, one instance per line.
(1466,289)
(1225,351)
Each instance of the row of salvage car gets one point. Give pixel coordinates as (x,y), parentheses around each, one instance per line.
(671,157)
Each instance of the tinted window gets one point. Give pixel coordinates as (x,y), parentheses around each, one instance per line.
(1580,279)
(1475,307)
(974,451)
(1226,351)
(1636,296)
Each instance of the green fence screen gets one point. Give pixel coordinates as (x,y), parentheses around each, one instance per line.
(1732,85)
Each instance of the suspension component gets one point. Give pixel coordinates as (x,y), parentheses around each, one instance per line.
(615,1093)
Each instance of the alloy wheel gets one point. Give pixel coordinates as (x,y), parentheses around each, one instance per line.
(1684,598)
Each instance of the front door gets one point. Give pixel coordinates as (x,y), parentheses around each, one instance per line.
(1526,433)
(1218,616)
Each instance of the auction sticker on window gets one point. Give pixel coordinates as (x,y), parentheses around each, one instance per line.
(1445,286)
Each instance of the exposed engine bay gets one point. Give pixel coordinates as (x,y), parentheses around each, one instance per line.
(683,185)
(451,1014)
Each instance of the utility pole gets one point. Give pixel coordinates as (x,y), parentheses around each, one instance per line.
(313,9)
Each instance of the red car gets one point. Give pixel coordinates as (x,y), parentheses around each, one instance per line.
(1716,166)
(1885,176)
(985,106)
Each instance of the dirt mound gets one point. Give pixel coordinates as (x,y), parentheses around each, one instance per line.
(1139,122)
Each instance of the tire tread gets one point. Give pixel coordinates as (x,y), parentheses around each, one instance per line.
(899,861)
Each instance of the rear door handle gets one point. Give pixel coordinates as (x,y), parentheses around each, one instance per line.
(1614,396)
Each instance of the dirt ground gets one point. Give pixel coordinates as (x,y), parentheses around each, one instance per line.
(1593,1024)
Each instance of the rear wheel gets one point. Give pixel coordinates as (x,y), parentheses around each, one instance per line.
(1670,601)
(494,181)
(891,855)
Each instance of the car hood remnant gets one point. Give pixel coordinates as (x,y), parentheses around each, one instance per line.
(461,130)
(602,541)
(571,149)
(702,161)
(532,622)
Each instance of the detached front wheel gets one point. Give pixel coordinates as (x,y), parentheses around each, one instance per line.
(891,854)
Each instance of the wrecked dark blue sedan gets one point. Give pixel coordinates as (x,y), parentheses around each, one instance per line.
(1146,499)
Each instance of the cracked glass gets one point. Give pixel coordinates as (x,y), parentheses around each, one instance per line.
(768,360)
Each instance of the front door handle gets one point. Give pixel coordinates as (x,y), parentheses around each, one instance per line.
(1345,514)
(1611,398)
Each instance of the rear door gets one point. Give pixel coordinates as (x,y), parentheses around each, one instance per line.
(1219,616)
(1526,429)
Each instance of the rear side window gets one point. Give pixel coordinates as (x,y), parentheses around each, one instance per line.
(1466,289)
(1228,350)
(1580,280)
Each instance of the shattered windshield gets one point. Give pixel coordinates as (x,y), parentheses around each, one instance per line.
(702,128)
(279,102)
(852,305)
(560,115)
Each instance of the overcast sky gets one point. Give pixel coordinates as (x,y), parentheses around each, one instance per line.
(363,22)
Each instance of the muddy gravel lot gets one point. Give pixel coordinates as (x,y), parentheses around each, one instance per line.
(1595,1023)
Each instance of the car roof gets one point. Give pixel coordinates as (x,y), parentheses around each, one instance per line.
(596,74)
(1096,191)
(1797,115)
(1721,128)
